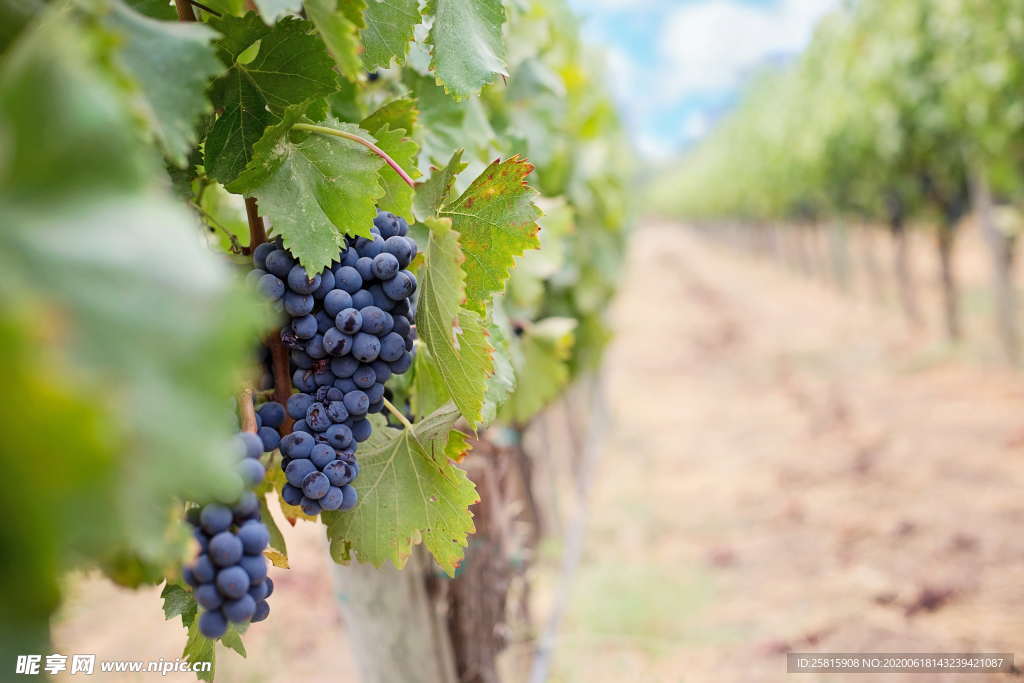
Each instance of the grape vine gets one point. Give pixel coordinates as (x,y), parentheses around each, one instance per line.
(369,170)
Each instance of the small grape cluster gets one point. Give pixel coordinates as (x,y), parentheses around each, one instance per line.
(319,464)
(229,576)
(350,328)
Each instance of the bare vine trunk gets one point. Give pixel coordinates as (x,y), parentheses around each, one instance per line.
(838,247)
(904,277)
(476,600)
(950,296)
(872,269)
(395,631)
(1002,247)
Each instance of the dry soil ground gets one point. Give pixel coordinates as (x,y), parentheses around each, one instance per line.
(785,467)
(789,469)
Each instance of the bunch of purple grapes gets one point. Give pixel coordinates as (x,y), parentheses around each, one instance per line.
(229,576)
(350,327)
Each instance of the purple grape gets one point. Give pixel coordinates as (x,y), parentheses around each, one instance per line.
(336,301)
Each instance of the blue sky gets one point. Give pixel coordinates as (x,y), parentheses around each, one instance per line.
(676,66)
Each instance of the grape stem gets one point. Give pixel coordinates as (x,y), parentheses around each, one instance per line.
(246,409)
(324,130)
(397,413)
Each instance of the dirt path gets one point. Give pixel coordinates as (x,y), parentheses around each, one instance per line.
(787,470)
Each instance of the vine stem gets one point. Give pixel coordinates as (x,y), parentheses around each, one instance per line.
(257,231)
(324,130)
(236,248)
(205,8)
(185,12)
(246,409)
(279,359)
(397,413)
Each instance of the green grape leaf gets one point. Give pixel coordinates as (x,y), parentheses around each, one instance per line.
(496,221)
(403,149)
(239,36)
(291,68)
(457,24)
(277,550)
(199,648)
(223,7)
(232,640)
(429,391)
(168,64)
(388,32)
(314,188)
(525,292)
(400,113)
(272,10)
(345,103)
(456,337)
(339,32)
(410,492)
(178,602)
(442,117)
(542,369)
(394,124)
(433,192)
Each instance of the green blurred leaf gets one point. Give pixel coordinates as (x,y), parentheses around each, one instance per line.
(123,327)
(157,9)
(441,117)
(169,65)
(502,383)
(541,362)
(51,82)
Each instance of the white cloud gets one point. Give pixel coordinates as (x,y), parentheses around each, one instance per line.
(653,147)
(584,6)
(709,46)
(622,73)
(695,125)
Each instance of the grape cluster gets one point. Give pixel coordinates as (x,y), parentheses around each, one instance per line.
(350,327)
(229,576)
